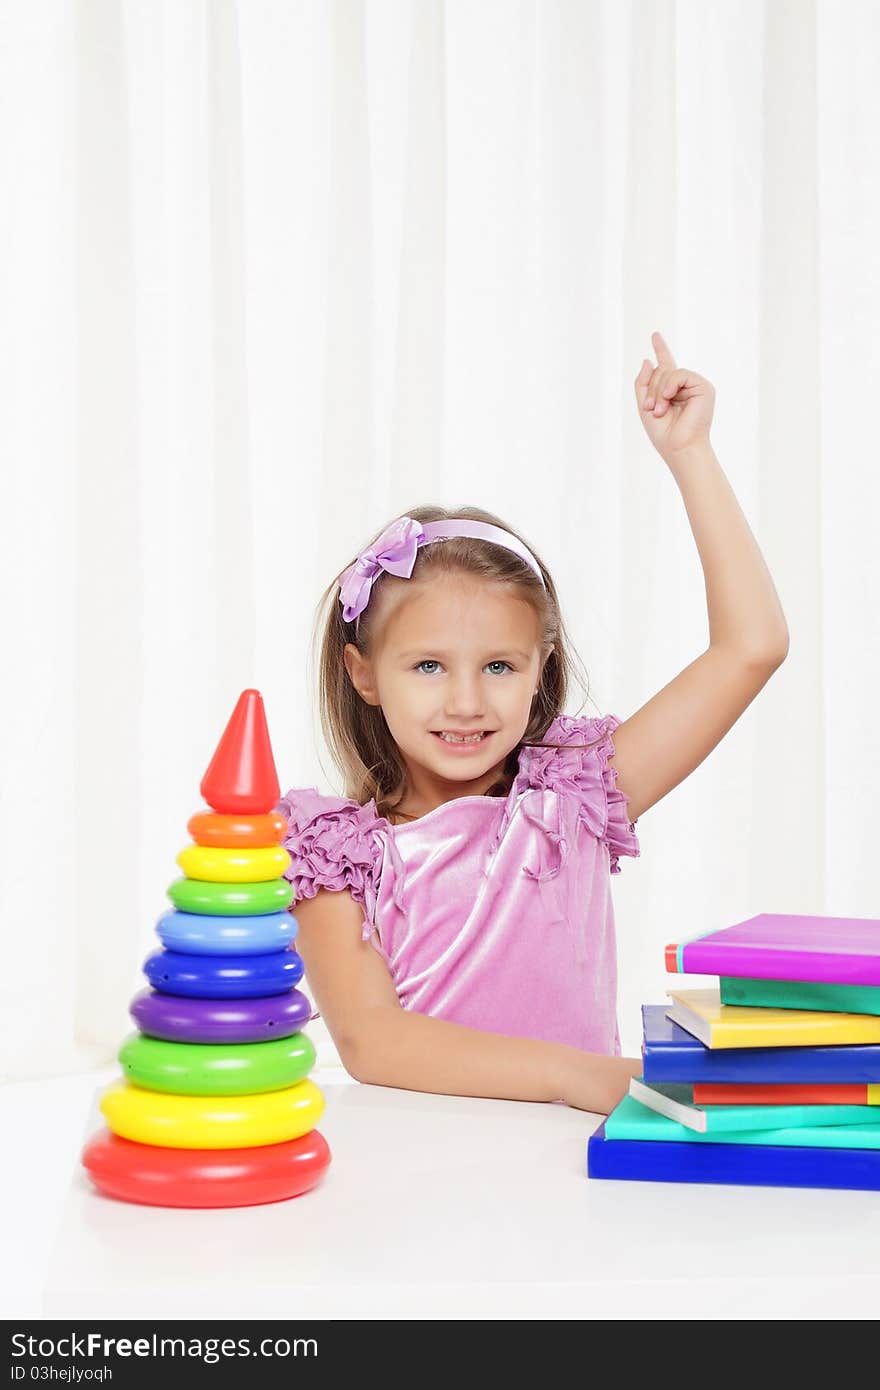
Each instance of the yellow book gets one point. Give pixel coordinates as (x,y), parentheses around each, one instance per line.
(701,1013)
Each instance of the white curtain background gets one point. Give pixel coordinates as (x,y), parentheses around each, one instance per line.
(271,272)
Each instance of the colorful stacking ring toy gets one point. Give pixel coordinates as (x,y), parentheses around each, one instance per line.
(196,934)
(234,865)
(211,1122)
(215,1107)
(231,899)
(179,1018)
(199,1069)
(236,832)
(224,977)
(205,1177)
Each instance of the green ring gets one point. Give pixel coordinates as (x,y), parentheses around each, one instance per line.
(216,1069)
(231,899)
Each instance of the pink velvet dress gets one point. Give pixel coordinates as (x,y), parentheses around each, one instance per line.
(493,912)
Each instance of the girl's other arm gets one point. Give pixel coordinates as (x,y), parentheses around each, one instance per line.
(662,743)
(667,738)
(385,1045)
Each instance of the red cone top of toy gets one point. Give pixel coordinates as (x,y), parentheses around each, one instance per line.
(241,777)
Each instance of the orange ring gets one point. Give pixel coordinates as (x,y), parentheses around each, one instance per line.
(218,831)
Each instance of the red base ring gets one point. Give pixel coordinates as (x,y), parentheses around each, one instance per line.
(163,1177)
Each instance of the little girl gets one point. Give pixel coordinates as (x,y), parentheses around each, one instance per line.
(454,908)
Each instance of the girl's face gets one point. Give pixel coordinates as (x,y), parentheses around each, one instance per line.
(454,655)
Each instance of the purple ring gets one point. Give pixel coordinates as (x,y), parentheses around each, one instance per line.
(178,1018)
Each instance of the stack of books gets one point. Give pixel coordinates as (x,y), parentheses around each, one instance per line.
(770,1078)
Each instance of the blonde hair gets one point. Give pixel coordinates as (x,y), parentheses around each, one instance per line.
(357,733)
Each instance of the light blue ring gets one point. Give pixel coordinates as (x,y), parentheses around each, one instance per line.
(197,934)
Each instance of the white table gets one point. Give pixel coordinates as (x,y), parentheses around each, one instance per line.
(452,1207)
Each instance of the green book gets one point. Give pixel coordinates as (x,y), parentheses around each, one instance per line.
(675,1100)
(632,1120)
(800,994)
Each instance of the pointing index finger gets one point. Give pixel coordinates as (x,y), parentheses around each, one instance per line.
(664,356)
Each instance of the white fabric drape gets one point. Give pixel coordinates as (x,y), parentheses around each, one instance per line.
(271,272)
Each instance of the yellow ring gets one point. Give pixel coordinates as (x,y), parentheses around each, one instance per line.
(233,865)
(211,1122)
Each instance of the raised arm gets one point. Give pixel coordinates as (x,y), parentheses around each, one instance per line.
(383,1044)
(659,745)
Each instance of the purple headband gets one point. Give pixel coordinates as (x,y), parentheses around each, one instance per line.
(396,549)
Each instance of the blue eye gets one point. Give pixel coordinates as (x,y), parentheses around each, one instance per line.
(429,661)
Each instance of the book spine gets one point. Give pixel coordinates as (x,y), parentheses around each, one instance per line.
(800,994)
(757,1165)
(683,1062)
(733,1093)
(834,1032)
(771,1029)
(705,957)
(658,1129)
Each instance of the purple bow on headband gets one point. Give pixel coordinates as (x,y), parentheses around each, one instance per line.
(395,551)
(397,547)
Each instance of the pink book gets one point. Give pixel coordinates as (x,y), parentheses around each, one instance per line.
(783,946)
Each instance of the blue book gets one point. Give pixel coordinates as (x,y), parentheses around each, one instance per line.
(671,1054)
(746,1165)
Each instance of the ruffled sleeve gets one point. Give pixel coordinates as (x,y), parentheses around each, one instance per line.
(583,774)
(333,843)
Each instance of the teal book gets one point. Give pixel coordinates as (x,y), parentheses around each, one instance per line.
(800,994)
(632,1120)
(675,1100)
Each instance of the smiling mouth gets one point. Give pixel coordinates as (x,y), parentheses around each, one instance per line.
(470,738)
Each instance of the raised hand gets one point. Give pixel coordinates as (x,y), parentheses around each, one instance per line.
(675,404)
